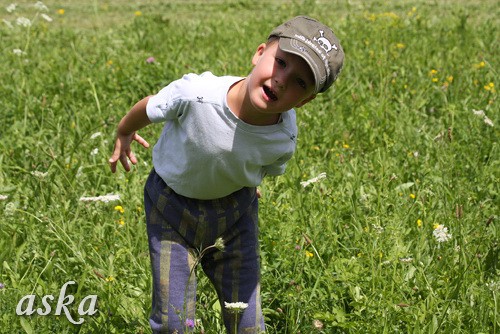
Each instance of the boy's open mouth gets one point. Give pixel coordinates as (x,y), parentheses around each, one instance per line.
(270,94)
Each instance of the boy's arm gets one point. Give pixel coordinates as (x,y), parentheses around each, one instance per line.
(134,120)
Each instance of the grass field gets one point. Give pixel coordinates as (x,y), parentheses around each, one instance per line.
(402,234)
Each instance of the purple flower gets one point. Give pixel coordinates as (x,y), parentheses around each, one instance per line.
(150,60)
(2,286)
(190,323)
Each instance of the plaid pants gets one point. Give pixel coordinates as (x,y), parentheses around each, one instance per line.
(177,226)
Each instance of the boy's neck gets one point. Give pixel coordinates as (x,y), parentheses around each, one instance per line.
(239,105)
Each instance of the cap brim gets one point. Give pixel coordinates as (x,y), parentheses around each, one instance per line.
(302,50)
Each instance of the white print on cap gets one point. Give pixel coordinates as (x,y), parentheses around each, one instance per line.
(324,43)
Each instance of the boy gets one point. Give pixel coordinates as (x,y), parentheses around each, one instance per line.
(221,137)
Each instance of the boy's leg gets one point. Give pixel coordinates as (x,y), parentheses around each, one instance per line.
(235,272)
(174,285)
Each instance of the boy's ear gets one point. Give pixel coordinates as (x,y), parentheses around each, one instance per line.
(307,100)
(258,53)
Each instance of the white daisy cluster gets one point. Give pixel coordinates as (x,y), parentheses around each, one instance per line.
(102,198)
(480,113)
(313,180)
(441,233)
(235,307)
(22,21)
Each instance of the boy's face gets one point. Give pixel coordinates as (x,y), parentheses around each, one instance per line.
(279,81)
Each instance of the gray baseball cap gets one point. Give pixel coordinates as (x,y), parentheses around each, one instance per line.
(316,44)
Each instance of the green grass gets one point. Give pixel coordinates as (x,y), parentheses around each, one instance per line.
(397,138)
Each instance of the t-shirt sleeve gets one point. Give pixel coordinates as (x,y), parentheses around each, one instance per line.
(159,107)
(278,168)
(162,106)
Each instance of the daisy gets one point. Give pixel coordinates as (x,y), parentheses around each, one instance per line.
(441,233)
(22,21)
(103,198)
(313,180)
(40,6)
(10,8)
(235,307)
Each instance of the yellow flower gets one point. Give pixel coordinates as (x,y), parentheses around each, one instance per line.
(110,279)
(480,64)
(435,226)
(434,79)
(449,78)
(490,87)
(119,208)
(412,196)
(60,11)
(109,63)
(309,254)
(346,146)
(419,223)
(138,13)
(400,45)
(121,222)
(433,72)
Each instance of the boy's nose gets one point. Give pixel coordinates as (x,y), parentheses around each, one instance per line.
(281,80)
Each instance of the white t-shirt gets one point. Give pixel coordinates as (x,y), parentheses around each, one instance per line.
(205,151)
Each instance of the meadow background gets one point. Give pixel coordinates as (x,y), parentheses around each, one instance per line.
(407,139)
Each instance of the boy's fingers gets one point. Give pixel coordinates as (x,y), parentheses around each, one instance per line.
(113,160)
(125,155)
(132,158)
(141,140)
(124,161)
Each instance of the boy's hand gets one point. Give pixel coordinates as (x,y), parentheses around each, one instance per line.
(123,152)
(134,120)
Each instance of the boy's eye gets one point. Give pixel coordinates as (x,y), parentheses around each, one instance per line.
(281,62)
(301,83)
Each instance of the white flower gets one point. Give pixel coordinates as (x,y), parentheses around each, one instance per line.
(39,174)
(441,233)
(10,8)
(8,24)
(103,198)
(22,21)
(479,113)
(18,52)
(238,306)
(219,244)
(95,135)
(3,197)
(493,286)
(46,17)
(10,209)
(40,6)
(378,228)
(317,324)
(406,259)
(488,121)
(313,180)
(94,151)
